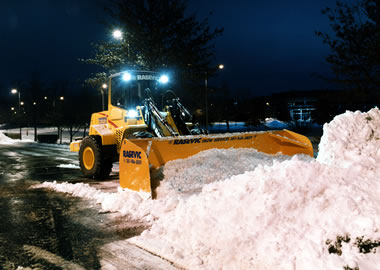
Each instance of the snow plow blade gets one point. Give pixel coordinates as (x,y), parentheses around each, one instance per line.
(138,156)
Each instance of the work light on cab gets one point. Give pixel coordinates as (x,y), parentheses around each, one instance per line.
(164,79)
(127,77)
(132,113)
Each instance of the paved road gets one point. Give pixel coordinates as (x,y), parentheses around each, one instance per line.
(41,229)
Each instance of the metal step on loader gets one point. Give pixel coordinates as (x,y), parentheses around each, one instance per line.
(135,132)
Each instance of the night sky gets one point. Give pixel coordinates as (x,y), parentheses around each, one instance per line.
(267,46)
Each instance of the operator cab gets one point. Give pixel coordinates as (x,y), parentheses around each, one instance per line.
(131,88)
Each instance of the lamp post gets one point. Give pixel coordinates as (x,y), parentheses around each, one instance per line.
(61,98)
(119,35)
(220,66)
(206,101)
(15,91)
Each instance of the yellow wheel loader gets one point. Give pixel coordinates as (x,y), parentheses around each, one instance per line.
(142,137)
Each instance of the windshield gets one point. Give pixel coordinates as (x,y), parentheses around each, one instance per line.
(131,93)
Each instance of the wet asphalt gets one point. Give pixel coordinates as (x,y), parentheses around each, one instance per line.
(42,229)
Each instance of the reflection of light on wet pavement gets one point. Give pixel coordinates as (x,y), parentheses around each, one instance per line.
(42,229)
(29,153)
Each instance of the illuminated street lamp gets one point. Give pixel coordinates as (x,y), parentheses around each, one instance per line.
(61,98)
(15,91)
(117,34)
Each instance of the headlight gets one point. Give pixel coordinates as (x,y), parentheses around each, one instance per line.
(127,77)
(164,79)
(132,114)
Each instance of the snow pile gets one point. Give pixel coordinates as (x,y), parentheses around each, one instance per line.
(352,139)
(69,166)
(285,215)
(274,123)
(276,217)
(182,177)
(193,173)
(135,205)
(5,139)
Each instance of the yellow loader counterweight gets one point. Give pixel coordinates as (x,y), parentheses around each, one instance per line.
(142,137)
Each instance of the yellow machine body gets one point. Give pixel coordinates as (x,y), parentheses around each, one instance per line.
(138,156)
(112,137)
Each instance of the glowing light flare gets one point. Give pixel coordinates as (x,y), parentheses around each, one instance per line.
(164,79)
(14,91)
(127,77)
(117,34)
(132,113)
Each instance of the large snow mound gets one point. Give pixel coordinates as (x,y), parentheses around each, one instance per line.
(352,139)
(276,217)
(282,214)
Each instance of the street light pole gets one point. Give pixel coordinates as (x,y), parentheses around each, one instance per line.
(19,100)
(19,111)
(221,66)
(119,35)
(206,101)
(15,91)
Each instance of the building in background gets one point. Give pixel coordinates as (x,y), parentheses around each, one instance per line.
(302,110)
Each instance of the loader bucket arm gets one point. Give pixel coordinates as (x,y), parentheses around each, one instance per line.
(137,156)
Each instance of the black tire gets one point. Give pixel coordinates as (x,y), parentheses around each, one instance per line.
(92,159)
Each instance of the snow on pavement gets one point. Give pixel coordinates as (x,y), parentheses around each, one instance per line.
(5,139)
(284,214)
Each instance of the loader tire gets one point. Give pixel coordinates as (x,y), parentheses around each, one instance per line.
(92,159)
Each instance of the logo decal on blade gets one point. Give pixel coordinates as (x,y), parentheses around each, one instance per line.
(132,154)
